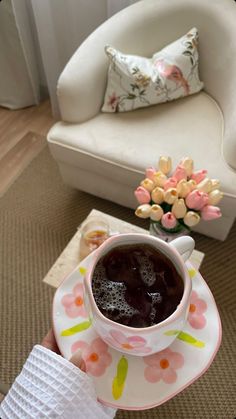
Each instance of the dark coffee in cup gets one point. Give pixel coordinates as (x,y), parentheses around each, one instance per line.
(136,285)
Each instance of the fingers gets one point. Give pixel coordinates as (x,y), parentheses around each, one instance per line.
(49,342)
(78,361)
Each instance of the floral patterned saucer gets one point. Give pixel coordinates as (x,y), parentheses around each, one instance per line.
(131,382)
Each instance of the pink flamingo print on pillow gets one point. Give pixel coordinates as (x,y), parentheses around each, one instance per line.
(173,73)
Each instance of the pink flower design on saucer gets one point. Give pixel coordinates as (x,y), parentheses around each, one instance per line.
(74,302)
(95,356)
(163,366)
(134,344)
(197,307)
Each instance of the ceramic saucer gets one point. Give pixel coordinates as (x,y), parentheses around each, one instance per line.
(130,382)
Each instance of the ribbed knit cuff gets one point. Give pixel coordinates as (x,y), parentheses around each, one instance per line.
(49,386)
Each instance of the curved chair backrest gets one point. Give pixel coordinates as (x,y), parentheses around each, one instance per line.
(144,28)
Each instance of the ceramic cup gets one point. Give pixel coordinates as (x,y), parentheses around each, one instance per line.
(146,340)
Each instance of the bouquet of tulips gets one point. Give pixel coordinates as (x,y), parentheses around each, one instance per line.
(180,198)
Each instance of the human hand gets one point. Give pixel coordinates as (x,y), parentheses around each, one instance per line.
(49,342)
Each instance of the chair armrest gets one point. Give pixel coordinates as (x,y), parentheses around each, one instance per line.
(81,85)
(229,140)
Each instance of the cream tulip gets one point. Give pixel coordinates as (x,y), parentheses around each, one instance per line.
(215,196)
(165,164)
(170,195)
(148,184)
(183,188)
(159,179)
(187,163)
(205,185)
(143,211)
(179,208)
(191,218)
(157,195)
(215,184)
(156,212)
(192,183)
(180,185)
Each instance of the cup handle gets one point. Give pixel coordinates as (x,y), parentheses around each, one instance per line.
(184,246)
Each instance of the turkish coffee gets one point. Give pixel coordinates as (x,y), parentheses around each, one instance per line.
(136,285)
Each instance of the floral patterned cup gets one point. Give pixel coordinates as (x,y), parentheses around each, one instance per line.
(146,340)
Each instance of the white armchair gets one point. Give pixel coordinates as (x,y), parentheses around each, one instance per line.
(106,154)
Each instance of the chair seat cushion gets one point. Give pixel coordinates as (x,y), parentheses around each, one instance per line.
(120,146)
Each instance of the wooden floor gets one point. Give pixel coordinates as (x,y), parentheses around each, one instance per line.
(22,135)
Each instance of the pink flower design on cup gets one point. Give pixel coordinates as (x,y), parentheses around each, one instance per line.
(74,302)
(197,307)
(95,356)
(133,344)
(163,366)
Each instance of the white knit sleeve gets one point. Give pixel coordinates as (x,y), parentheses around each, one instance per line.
(49,386)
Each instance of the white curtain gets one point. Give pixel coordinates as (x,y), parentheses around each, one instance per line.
(38,37)
(19,77)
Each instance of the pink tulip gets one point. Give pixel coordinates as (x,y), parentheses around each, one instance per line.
(210,212)
(168,220)
(150,172)
(142,195)
(170,183)
(180,173)
(199,175)
(196,199)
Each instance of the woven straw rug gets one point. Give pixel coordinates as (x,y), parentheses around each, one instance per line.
(38,216)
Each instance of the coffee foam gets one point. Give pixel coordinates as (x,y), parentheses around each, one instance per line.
(110,296)
(147,271)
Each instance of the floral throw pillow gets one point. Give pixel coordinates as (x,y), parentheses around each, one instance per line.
(136,82)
